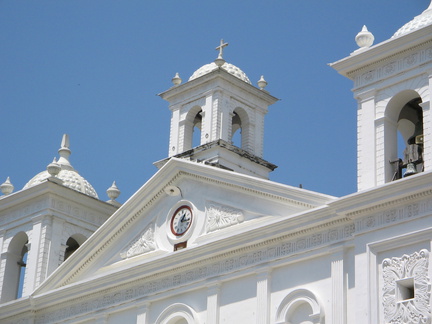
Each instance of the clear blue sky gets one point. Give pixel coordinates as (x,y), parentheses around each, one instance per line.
(92,69)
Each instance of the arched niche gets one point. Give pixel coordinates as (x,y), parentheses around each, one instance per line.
(192,128)
(177,314)
(73,243)
(300,307)
(240,129)
(14,273)
(403,136)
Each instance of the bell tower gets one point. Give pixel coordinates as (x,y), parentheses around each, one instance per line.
(392,86)
(217,106)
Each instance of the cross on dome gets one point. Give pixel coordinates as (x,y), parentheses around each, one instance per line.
(221,47)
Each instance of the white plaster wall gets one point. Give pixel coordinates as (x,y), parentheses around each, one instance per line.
(238,301)
(123,317)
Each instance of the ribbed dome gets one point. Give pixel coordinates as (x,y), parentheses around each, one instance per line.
(70,177)
(230,68)
(418,22)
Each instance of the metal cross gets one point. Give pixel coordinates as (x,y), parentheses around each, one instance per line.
(221,47)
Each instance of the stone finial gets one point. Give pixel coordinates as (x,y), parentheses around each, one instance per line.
(64,151)
(220,60)
(54,168)
(176,80)
(113,192)
(262,83)
(364,39)
(6,187)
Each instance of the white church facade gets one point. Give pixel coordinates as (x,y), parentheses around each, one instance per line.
(209,239)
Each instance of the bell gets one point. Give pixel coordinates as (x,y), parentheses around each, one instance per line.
(410,169)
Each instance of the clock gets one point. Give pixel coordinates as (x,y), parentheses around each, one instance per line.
(181,220)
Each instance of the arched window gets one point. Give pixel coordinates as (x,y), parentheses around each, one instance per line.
(300,307)
(177,314)
(14,274)
(73,243)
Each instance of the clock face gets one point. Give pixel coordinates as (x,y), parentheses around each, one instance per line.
(181,220)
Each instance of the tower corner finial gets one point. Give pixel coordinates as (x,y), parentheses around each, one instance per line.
(364,38)
(262,83)
(113,192)
(176,80)
(6,187)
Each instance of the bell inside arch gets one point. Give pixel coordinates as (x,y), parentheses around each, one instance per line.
(410,169)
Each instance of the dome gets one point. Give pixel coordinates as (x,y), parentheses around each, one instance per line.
(230,68)
(70,177)
(418,22)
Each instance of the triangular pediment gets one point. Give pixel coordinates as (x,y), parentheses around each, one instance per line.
(223,204)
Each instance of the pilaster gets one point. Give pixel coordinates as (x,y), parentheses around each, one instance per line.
(366,159)
(141,312)
(427,132)
(213,292)
(263,296)
(34,255)
(101,319)
(338,315)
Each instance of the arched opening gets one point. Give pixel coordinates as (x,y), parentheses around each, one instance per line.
(177,314)
(22,263)
(409,141)
(301,314)
(14,274)
(196,132)
(300,307)
(240,130)
(191,129)
(236,130)
(73,243)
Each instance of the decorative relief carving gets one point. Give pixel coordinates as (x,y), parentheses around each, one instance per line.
(393,67)
(398,214)
(390,68)
(219,217)
(411,59)
(142,244)
(368,76)
(406,289)
(75,211)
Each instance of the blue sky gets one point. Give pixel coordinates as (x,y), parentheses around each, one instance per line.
(93,69)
